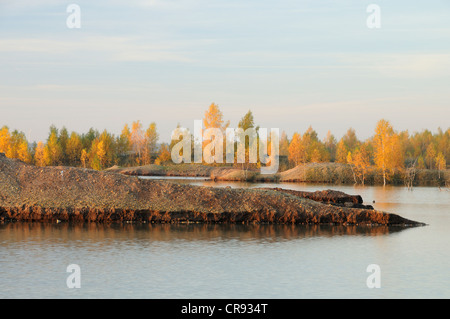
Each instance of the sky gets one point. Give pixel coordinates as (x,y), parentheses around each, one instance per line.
(294,64)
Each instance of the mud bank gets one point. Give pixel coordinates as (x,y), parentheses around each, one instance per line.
(29,193)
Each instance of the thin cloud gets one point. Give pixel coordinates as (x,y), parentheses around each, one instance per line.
(115,48)
(401,65)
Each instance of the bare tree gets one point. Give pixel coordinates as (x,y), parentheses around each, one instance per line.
(410,174)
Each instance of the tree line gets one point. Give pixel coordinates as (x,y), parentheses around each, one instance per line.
(134,146)
(387,150)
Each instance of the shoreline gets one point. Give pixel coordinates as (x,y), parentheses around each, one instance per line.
(323,173)
(111,216)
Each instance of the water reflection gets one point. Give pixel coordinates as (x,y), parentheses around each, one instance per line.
(21,232)
(236,261)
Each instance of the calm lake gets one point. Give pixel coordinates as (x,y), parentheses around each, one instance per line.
(237,261)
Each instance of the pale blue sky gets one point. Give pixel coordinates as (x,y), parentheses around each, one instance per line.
(293,63)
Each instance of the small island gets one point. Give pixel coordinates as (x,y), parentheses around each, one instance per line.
(69,194)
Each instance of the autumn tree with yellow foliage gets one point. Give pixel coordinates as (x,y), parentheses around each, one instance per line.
(440,162)
(73,149)
(360,161)
(14,145)
(5,137)
(39,155)
(374,159)
(164,155)
(297,150)
(150,144)
(387,149)
(53,151)
(348,143)
(213,119)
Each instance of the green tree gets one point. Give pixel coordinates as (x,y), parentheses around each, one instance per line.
(88,138)
(63,139)
(53,148)
(247,122)
(350,139)
(330,145)
(151,142)
(284,144)
(74,146)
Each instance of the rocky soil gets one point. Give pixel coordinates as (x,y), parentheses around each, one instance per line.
(29,193)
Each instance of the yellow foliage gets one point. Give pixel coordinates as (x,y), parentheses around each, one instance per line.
(387,149)
(39,155)
(297,151)
(4,139)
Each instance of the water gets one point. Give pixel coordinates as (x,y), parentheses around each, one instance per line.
(237,261)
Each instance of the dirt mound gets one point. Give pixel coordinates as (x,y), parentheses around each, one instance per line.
(330,197)
(335,173)
(184,170)
(75,194)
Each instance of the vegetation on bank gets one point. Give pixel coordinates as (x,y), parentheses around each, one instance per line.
(322,173)
(388,157)
(335,173)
